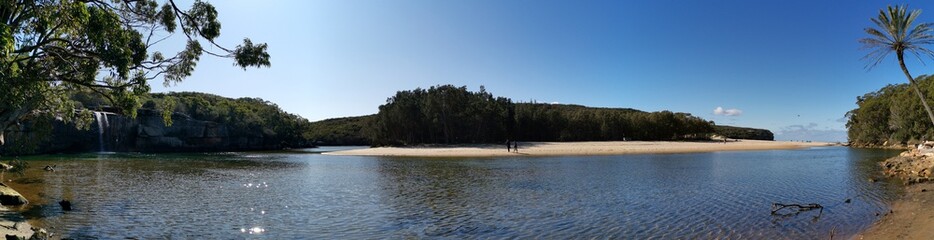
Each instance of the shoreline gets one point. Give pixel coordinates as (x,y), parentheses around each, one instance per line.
(577,148)
(909,218)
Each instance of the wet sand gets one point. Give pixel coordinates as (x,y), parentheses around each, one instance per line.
(911,216)
(576,148)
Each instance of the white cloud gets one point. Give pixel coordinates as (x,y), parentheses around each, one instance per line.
(727,112)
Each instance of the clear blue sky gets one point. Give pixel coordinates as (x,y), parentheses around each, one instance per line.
(792,67)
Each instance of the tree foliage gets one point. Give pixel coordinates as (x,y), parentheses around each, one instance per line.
(897,33)
(442,114)
(744,133)
(891,115)
(52,48)
(340,131)
(244,116)
(448,114)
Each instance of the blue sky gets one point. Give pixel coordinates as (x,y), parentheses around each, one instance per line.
(792,67)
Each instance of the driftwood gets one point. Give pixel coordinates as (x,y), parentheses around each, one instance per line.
(796,208)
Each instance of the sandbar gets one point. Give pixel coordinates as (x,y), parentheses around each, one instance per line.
(577,148)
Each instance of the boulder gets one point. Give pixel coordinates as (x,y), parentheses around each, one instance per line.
(9,197)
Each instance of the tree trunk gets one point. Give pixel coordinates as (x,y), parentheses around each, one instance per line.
(914,85)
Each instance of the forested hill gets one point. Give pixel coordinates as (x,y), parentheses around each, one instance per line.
(245,116)
(448,114)
(744,133)
(891,116)
(169,122)
(345,131)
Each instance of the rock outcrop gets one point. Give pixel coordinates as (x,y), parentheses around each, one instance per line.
(146,133)
(14,226)
(913,166)
(10,197)
(743,133)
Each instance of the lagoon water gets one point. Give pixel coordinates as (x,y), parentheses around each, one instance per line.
(290,195)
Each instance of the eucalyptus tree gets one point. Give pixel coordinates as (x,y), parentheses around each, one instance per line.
(897,33)
(50,49)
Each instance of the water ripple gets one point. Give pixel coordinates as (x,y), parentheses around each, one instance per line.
(292,195)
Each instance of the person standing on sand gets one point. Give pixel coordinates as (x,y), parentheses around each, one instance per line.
(507,146)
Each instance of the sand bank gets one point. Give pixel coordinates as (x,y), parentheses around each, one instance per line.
(911,216)
(575,148)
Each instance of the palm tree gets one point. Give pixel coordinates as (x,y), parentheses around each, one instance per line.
(897,35)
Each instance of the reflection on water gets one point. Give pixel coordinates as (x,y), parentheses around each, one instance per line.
(300,195)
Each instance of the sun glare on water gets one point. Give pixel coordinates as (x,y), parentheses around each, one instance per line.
(254,230)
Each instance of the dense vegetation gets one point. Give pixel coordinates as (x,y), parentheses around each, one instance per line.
(244,116)
(51,49)
(744,133)
(892,115)
(340,131)
(443,114)
(448,114)
(241,118)
(558,122)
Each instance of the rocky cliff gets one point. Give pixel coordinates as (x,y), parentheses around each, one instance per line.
(744,133)
(146,133)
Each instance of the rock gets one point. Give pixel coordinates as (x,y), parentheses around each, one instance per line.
(847,200)
(40,234)
(9,197)
(14,226)
(924,190)
(66,205)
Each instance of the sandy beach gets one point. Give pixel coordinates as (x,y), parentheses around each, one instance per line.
(576,148)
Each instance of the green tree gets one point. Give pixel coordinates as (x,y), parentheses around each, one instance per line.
(896,34)
(890,116)
(50,49)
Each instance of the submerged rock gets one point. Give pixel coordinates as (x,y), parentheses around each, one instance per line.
(66,205)
(9,197)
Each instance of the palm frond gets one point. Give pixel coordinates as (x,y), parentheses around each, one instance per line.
(876,57)
(922,51)
(918,55)
(879,35)
(894,33)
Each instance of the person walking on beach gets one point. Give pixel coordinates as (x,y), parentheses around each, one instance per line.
(515,146)
(507,146)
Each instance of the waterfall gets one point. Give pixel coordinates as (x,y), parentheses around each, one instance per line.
(101,118)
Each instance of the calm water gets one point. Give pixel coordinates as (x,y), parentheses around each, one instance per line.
(306,195)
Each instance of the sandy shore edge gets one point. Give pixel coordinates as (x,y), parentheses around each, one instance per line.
(576,148)
(910,217)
